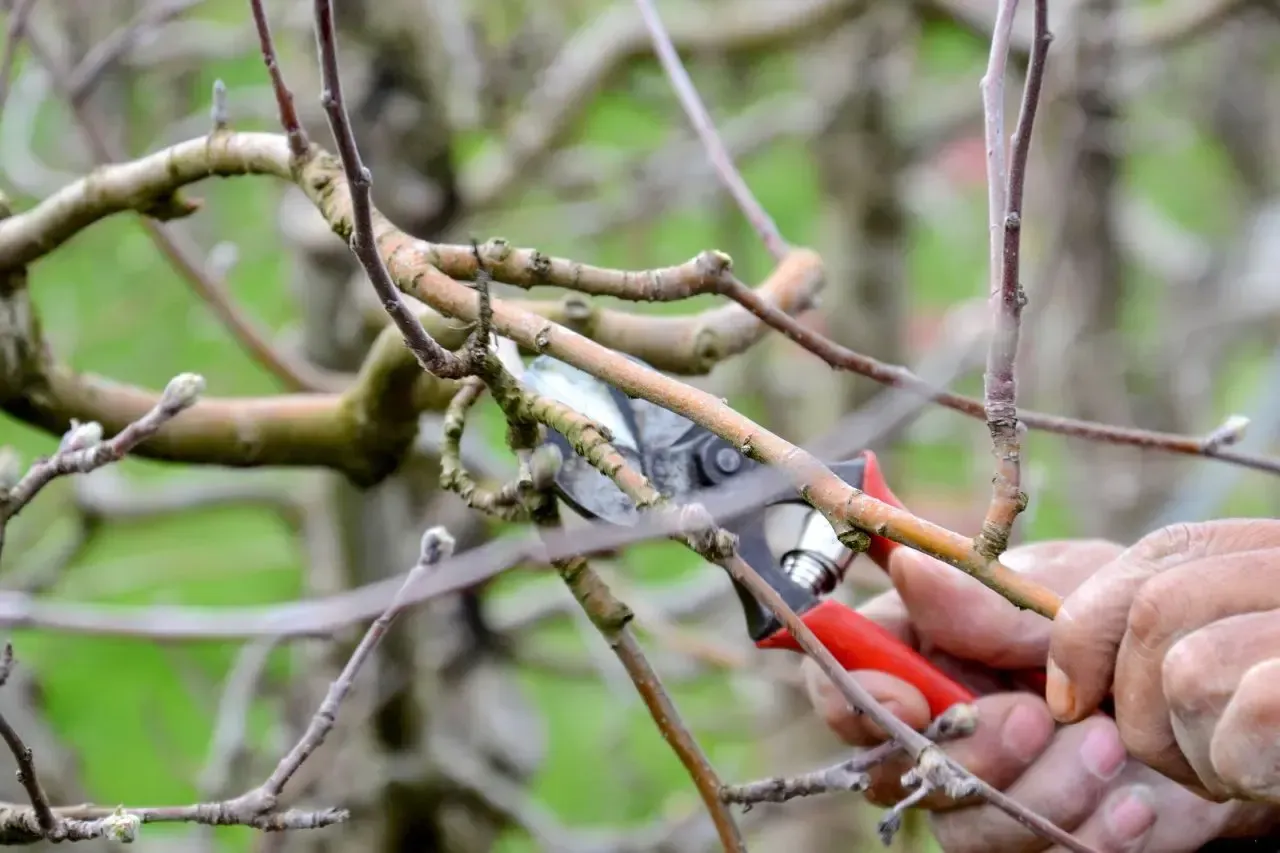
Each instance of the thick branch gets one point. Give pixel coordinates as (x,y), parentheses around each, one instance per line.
(687,344)
(363,433)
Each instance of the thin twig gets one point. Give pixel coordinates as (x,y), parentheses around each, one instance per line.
(847,776)
(1007,295)
(696,110)
(610,616)
(999,381)
(83,450)
(93,67)
(434,358)
(958,721)
(898,376)
(437,544)
(299,145)
(26,766)
(19,14)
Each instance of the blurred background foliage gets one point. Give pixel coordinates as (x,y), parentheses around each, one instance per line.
(138,715)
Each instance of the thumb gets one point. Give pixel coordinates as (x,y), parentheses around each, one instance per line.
(898,697)
(958,614)
(955,613)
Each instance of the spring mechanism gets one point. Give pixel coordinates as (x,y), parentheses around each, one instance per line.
(812,571)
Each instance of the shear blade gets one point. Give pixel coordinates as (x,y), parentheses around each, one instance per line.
(584,488)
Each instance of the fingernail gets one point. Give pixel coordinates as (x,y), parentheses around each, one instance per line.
(1025,733)
(1131,814)
(1059,692)
(1102,752)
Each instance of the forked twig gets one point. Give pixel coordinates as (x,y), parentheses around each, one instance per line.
(1007,297)
(434,358)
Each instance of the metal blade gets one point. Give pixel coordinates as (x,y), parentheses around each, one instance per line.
(584,488)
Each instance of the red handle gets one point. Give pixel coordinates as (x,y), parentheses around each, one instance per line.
(875,485)
(859,643)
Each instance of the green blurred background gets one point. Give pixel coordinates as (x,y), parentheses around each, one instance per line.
(139,715)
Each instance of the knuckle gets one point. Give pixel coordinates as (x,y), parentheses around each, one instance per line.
(1172,539)
(1244,751)
(1188,675)
(1153,612)
(1182,675)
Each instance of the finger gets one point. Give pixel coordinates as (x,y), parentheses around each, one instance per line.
(1244,749)
(1184,820)
(1013,729)
(888,611)
(1086,633)
(1179,600)
(898,697)
(1122,824)
(1201,673)
(956,613)
(1065,785)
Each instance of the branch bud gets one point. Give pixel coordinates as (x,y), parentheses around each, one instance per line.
(182,391)
(81,436)
(10,468)
(437,545)
(121,826)
(1230,432)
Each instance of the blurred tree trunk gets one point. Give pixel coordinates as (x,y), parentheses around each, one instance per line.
(439,688)
(863,225)
(1076,343)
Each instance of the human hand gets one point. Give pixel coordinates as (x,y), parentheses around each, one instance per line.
(1076,776)
(1184,630)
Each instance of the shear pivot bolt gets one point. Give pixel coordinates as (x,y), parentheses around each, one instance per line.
(728,460)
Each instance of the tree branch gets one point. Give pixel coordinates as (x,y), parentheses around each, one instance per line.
(701,120)
(82,449)
(1006,293)
(434,358)
(298,142)
(609,615)
(408,264)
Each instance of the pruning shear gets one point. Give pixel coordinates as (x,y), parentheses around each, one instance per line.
(679,458)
